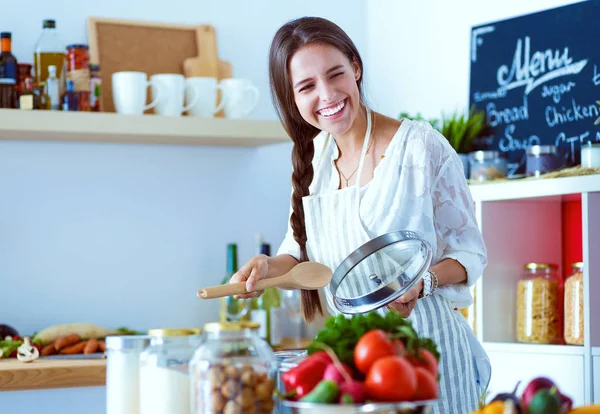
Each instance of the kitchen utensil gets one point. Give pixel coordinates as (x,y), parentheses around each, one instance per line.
(204,90)
(130,92)
(169,90)
(380,271)
(417,407)
(206,63)
(306,275)
(242,97)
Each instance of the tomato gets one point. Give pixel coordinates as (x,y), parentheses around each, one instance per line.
(370,347)
(427,385)
(426,360)
(391,378)
(400,348)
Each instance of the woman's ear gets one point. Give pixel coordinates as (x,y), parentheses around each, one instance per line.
(357,71)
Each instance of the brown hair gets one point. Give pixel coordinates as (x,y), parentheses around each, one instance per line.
(287,41)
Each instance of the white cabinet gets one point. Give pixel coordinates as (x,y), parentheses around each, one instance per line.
(524,363)
(522,221)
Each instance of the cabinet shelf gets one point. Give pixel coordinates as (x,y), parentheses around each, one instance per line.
(145,129)
(538,349)
(44,374)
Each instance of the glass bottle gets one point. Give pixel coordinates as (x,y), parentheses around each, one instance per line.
(8,63)
(233,371)
(95,89)
(267,312)
(8,93)
(233,309)
(574,306)
(70,101)
(52,88)
(78,70)
(42,100)
(28,100)
(164,371)
(48,51)
(539,315)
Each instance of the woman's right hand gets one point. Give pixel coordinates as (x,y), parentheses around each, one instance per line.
(256,269)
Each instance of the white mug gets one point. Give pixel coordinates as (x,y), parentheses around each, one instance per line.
(170,88)
(242,97)
(205,89)
(129,91)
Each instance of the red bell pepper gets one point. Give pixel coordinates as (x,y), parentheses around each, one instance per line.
(306,375)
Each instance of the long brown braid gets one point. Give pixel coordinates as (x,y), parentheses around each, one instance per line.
(287,41)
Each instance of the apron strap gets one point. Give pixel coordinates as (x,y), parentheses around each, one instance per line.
(359,172)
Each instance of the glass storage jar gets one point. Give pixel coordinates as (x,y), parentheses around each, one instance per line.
(574,306)
(164,371)
(122,372)
(538,312)
(487,165)
(233,371)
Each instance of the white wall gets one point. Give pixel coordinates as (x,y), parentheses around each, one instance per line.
(126,234)
(418,52)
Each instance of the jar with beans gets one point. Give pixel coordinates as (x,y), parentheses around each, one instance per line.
(233,371)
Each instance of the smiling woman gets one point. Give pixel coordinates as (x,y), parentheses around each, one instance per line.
(357,175)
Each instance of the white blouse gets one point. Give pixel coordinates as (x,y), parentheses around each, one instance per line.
(419,185)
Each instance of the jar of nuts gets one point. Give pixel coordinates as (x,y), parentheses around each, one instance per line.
(233,371)
(164,371)
(574,306)
(539,315)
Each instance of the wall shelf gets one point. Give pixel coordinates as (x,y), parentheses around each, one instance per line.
(146,129)
(45,373)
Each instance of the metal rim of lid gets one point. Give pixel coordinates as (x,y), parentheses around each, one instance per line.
(124,342)
(541,149)
(173,331)
(230,326)
(353,306)
(484,155)
(540,266)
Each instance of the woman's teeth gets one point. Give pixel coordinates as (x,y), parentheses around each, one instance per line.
(333,110)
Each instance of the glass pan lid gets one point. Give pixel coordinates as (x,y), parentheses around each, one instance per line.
(379,272)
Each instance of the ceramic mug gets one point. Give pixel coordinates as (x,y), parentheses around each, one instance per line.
(205,89)
(169,90)
(242,97)
(129,91)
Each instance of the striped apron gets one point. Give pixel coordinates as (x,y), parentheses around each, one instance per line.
(334,230)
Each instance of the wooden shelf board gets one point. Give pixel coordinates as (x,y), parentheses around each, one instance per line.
(146,129)
(522,189)
(44,374)
(533,348)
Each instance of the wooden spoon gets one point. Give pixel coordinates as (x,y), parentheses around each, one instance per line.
(305,275)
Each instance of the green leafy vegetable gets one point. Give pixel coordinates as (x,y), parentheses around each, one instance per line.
(342,334)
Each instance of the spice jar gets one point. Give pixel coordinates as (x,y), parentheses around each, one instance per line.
(233,371)
(538,313)
(542,159)
(487,165)
(574,306)
(122,373)
(78,70)
(164,371)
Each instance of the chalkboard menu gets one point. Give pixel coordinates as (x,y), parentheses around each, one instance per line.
(537,77)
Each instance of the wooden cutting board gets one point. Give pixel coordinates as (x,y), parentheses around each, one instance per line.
(225,72)
(207,61)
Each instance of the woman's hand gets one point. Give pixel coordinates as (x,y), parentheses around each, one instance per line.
(253,271)
(405,304)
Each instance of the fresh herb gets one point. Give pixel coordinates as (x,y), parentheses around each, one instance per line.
(7,347)
(342,334)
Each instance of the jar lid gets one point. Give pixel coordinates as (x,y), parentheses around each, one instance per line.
(484,155)
(49,24)
(577,265)
(541,149)
(230,326)
(541,266)
(119,342)
(174,331)
(77,46)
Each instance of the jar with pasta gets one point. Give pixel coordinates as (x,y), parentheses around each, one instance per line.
(233,371)
(539,314)
(574,306)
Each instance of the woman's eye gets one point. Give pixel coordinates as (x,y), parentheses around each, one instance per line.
(337,74)
(306,88)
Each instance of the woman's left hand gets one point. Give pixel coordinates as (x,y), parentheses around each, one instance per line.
(405,304)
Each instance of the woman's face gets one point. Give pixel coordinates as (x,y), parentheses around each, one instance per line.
(325,88)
